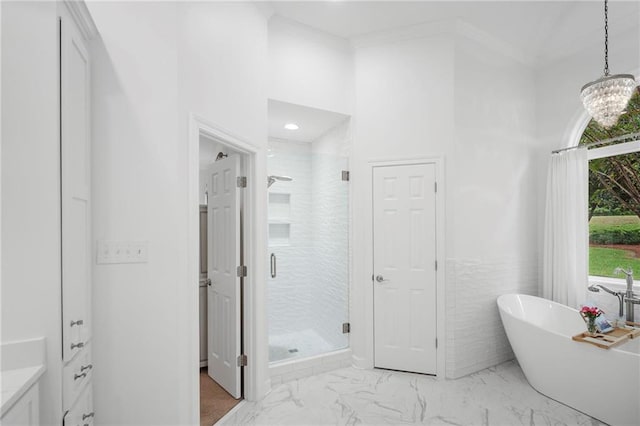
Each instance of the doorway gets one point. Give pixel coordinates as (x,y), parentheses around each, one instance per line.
(405,267)
(221,194)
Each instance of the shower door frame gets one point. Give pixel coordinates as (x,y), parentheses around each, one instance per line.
(255,375)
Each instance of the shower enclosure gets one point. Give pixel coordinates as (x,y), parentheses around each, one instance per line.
(308,283)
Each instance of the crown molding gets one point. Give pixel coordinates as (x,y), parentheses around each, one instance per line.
(81,15)
(471,32)
(265,9)
(453,28)
(423,30)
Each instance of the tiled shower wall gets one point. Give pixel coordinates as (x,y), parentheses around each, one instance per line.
(312,283)
(289,294)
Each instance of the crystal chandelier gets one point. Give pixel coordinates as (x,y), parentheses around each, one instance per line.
(606,98)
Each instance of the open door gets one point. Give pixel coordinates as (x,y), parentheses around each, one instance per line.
(223,292)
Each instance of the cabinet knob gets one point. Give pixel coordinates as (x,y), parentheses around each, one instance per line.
(79,322)
(77,345)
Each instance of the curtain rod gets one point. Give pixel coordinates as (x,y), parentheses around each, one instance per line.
(630,137)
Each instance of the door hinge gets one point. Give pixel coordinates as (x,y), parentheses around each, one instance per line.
(241,182)
(345,175)
(436,265)
(436,343)
(242,360)
(346,327)
(435,186)
(241,271)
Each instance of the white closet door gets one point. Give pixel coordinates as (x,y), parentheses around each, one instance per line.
(223,302)
(75,188)
(404,206)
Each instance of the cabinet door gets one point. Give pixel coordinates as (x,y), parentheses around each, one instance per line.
(75,187)
(76,375)
(81,414)
(25,412)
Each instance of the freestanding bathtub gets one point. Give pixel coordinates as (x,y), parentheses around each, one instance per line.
(602,383)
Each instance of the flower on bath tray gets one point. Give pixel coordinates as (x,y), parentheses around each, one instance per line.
(591,312)
(589,315)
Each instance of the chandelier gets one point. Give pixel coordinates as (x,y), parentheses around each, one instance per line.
(606,98)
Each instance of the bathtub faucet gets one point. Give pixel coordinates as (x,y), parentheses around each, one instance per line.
(618,294)
(629,297)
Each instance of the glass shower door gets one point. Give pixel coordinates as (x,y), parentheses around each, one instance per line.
(308,284)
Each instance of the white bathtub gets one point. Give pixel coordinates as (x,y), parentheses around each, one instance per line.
(602,383)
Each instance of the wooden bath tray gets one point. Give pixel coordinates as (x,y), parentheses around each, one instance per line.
(614,338)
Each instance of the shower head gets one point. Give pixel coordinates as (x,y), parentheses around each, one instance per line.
(273,178)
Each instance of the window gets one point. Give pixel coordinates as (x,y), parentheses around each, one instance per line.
(614,195)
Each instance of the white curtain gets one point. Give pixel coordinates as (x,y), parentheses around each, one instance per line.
(566,233)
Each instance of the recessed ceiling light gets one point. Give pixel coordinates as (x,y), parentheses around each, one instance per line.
(291,126)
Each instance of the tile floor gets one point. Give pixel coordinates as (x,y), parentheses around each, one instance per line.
(498,396)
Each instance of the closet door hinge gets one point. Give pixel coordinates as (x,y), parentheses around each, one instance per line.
(436,343)
(241,182)
(241,271)
(346,327)
(242,360)
(435,187)
(345,175)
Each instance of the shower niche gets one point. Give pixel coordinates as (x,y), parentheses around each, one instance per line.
(308,214)
(279,219)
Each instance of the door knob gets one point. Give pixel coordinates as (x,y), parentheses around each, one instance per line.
(380,278)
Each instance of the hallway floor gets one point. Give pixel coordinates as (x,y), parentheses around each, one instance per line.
(215,402)
(497,396)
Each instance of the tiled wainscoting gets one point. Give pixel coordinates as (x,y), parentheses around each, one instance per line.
(475,336)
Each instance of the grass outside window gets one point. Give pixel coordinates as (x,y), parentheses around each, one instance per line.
(613,243)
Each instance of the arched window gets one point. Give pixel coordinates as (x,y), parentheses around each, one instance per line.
(614,195)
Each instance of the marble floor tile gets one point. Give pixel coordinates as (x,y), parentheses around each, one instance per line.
(498,396)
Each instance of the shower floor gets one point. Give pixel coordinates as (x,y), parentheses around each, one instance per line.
(298,344)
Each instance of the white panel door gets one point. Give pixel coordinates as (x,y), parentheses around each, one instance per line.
(404,250)
(223,294)
(75,188)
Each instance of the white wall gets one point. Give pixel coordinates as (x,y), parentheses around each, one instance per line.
(30,188)
(446,95)
(404,109)
(156,63)
(309,67)
(138,180)
(491,203)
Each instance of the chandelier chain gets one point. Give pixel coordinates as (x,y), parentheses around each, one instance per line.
(606,38)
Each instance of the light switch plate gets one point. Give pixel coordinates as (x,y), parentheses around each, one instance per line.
(112,252)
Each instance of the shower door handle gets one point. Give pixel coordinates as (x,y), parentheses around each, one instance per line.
(273,265)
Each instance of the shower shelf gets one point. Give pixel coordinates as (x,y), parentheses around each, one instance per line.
(279,233)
